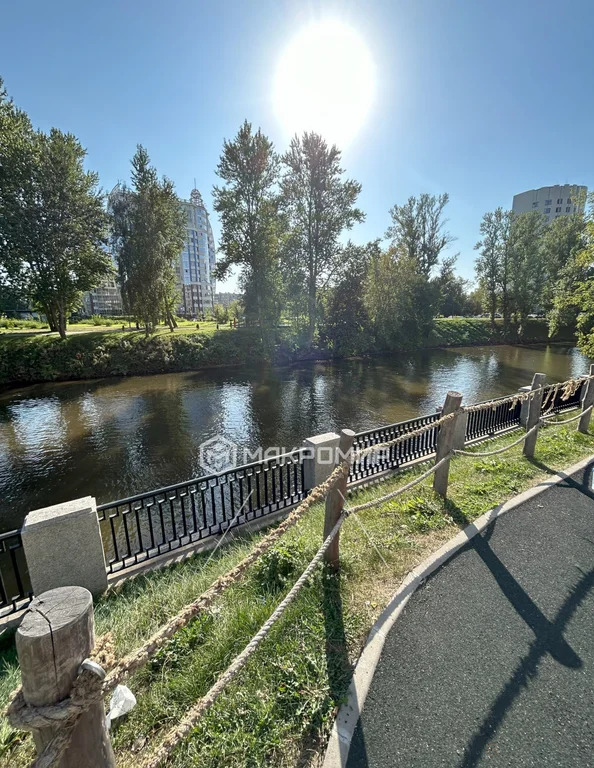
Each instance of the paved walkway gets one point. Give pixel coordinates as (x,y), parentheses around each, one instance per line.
(492,661)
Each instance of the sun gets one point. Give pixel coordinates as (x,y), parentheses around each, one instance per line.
(325,82)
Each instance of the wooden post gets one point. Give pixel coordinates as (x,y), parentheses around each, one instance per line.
(335,501)
(534,412)
(587,401)
(54,638)
(445,442)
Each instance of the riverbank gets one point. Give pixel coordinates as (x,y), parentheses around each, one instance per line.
(281,708)
(27,359)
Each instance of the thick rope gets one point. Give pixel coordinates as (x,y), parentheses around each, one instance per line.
(402,489)
(568,421)
(86,689)
(569,387)
(494,452)
(405,436)
(179,732)
(140,656)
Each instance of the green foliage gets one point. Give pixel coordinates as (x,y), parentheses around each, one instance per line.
(14,323)
(319,206)
(418,227)
(251,228)
(148,233)
(53,221)
(276,567)
(493,264)
(221,314)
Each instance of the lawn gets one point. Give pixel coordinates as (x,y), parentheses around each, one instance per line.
(279,711)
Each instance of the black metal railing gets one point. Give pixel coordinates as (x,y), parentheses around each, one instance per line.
(150,524)
(558,404)
(395,455)
(15,587)
(491,421)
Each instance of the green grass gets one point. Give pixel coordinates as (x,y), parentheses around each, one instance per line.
(280,709)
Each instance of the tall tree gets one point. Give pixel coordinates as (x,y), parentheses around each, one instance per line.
(345,324)
(53,223)
(526,264)
(573,294)
(148,234)
(419,227)
(562,240)
(396,299)
(251,229)
(320,206)
(493,265)
(452,289)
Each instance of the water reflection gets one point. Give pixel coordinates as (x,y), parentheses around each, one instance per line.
(115,437)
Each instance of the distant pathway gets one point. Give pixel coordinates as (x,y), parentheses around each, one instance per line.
(492,661)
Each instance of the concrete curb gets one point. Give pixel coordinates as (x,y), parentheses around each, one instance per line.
(348,715)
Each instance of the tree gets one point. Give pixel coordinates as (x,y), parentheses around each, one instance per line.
(527,274)
(395,298)
(562,240)
(345,325)
(493,265)
(419,227)
(573,296)
(221,315)
(53,222)
(320,206)
(452,290)
(148,234)
(250,224)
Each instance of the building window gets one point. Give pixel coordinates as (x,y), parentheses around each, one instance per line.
(535,204)
(547,210)
(568,209)
(559,200)
(568,200)
(558,209)
(548,202)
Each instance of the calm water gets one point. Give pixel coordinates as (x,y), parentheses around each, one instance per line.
(116,437)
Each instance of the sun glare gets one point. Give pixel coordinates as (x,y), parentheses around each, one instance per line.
(325,82)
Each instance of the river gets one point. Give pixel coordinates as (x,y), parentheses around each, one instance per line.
(111,438)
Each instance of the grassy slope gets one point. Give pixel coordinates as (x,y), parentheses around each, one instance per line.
(33,357)
(279,711)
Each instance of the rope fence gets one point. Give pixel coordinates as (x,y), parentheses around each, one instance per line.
(91,684)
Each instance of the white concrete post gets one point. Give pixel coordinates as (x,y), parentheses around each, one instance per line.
(63,547)
(587,401)
(320,458)
(534,413)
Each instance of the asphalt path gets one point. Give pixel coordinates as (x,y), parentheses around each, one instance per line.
(492,661)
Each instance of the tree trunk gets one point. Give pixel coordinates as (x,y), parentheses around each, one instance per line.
(311,314)
(62,321)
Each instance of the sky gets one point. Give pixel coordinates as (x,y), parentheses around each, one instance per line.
(478,99)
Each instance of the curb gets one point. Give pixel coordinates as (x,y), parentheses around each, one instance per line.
(348,714)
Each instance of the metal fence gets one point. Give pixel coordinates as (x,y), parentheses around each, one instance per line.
(395,455)
(15,590)
(145,526)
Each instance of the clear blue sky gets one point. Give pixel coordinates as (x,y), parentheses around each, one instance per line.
(479,99)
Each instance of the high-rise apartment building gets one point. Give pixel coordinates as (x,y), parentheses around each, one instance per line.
(194,269)
(197,260)
(551,202)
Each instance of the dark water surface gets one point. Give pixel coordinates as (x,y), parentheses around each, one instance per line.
(112,438)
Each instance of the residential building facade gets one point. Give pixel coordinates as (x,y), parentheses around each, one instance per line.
(195,271)
(105,299)
(226,299)
(552,202)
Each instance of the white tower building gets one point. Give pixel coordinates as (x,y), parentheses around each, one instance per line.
(551,202)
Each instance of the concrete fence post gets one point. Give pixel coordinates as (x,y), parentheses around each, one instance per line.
(445,442)
(587,401)
(534,412)
(524,406)
(63,547)
(320,454)
(335,500)
(54,638)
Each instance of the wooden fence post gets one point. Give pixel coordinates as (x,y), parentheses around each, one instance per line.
(335,501)
(534,412)
(54,638)
(445,442)
(587,401)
